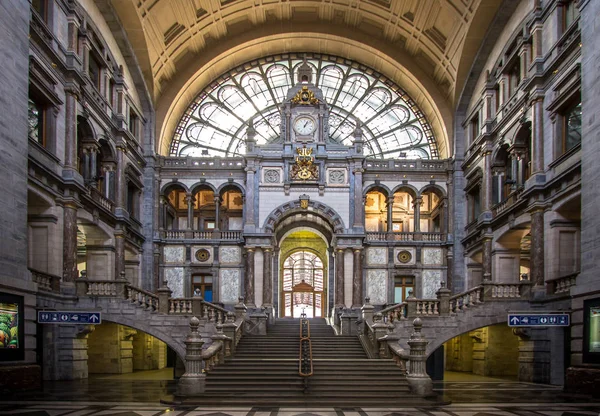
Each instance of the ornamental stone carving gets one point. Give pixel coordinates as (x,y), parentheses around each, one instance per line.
(431,283)
(377,286)
(404,256)
(174,278)
(229,280)
(337,177)
(432,256)
(376,255)
(174,254)
(272,176)
(230,255)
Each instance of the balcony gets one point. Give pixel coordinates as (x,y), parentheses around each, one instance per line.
(201,235)
(405,236)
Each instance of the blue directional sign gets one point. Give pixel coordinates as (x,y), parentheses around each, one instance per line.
(69,317)
(549,319)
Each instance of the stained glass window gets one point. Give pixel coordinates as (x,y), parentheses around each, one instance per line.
(215,122)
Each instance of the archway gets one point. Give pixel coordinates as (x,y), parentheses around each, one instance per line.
(303,265)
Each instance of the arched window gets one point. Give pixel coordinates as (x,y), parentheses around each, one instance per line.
(215,122)
(303,284)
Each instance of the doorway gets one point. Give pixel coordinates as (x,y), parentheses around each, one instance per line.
(303,276)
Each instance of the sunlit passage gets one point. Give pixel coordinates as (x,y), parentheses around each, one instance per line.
(215,122)
(303,285)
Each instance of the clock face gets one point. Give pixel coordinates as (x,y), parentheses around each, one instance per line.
(304,125)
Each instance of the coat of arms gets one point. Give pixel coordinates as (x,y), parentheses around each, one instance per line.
(304,169)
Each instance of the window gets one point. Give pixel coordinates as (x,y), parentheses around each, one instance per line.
(215,122)
(570,13)
(132,200)
(95,71)
(572,127)
(37,122)
(474,204)
(133,123)
(111,93)
(475,128)
(514,77)
(41,8)
(402,286)
(202,286)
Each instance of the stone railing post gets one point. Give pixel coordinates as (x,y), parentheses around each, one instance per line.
(197,306)
(164,293)
(367,310)
(380,330)
(122,286)
(229,330)
(411,305)
(257,323)
(81,284)
(526,289)
(224,340)
(347,322)
(193,381)
(240,309)
(488,288)
(420,383)
(443,295)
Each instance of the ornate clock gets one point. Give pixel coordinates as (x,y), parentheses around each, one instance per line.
(304,125)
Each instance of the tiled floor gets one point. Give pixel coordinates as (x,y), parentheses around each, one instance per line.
(140,394)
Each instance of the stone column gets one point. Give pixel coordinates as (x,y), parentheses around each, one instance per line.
(249,278)
(537,248)
(487,259)
(537,145)
(487,177)
(120,184)
(189,199)
(267,277)
(71,128)
(359,206)
(417,211)
(93,166)
(339,277)
(390,212)
(119,250)
(217,200)
(70,241)
(162,215)
(357,286)
(86,163)
(249,200)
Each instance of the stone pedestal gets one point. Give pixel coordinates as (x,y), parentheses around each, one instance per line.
(193,381)
(418,380)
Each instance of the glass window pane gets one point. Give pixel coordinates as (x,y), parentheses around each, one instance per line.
(215,122)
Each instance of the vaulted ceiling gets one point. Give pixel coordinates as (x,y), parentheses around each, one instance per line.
(425,46)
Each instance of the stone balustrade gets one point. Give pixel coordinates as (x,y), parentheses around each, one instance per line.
(142,298)
(201,235)
(463,301)
(46,281)
(395,312)
(427,307)
(198,307)
(405,236)
(101,288)
(104,202)
(562,285)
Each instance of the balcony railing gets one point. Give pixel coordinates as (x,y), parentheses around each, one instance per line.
(507,203)
(201,235)
(46,281)
(405,236)
(562,285)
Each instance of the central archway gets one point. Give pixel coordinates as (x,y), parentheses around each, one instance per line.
(303,282)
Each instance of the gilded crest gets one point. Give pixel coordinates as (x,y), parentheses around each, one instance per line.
(304,96)
(304,201)
(304,169)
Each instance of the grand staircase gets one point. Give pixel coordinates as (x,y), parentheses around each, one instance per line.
(264,371)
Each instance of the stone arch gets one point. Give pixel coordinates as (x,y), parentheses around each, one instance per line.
(314,207)
(436,189)
(230,186)
(202,185)
(409,189)
(85,130)
(173,339)
(378,188)
(167,188)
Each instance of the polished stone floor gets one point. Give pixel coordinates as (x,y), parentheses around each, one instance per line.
(139,394)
